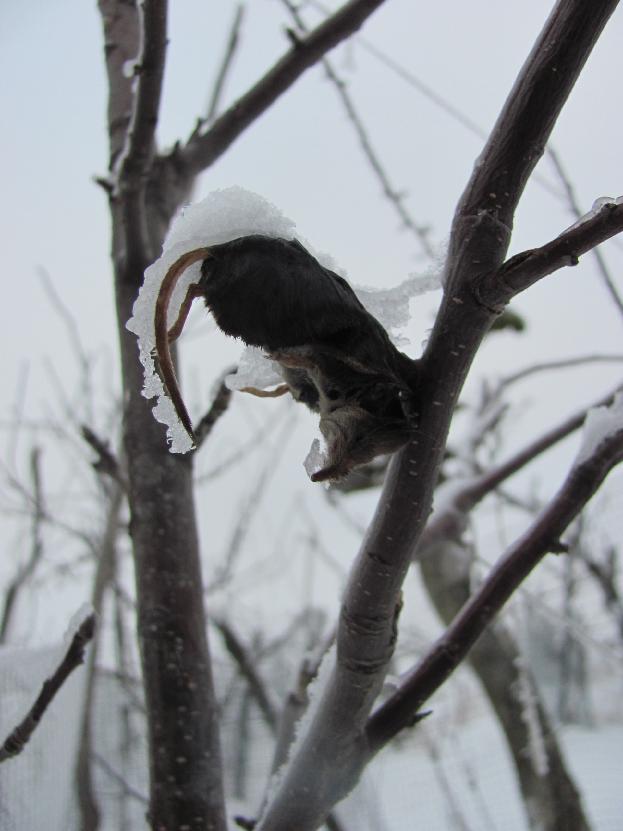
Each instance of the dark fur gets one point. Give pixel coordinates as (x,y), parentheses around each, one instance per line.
(336,357)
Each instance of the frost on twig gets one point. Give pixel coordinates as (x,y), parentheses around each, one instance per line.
(223,216)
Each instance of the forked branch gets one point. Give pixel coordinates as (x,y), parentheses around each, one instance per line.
(583,480)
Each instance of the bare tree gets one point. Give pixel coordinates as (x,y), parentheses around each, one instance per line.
(348,722)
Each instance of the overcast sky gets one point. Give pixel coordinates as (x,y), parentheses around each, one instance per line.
(304,157)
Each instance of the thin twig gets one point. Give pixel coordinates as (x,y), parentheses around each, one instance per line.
(36,549)
(248,670)
(203,148)
(395,197)
(106,461)
(450,521)
(583,480)
(577,212)
(217,409)
(17,740)
(119,779)
(546,366)
(226,64)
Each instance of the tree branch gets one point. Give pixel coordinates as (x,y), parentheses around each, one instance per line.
(202,149)
(230,51)
(524,269)
(138,152)
(450,521)
(575,210)
(335,745)
(583,480)
(148,72)
(217,409)
(245,664)
(15,743)
(395,198)
(36,548)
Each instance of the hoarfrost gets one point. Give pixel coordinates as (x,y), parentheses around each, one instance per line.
(222,216)
(601,423)
(530,716)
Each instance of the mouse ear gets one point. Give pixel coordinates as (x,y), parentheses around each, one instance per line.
(163,335)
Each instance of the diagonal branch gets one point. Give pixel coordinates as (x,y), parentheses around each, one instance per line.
(248,670)
(15,743)
(230,51)
(450,521)
(583,480)
(522,270)
(335,740)
(396,198)
(575,209)
(202,149)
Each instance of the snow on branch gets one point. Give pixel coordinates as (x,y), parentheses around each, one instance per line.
(83,628)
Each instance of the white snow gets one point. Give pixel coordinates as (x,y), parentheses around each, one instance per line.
(222,216)
(601,423)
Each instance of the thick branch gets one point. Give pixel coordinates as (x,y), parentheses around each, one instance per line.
(148,72)
(15,743)
(137,156)
(516,564)
(204,148)
(335,745)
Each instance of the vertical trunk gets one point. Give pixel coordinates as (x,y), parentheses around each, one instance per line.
(184,748)
(551,800)
(183,741)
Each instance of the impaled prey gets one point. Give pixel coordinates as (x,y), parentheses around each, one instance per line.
(335,357)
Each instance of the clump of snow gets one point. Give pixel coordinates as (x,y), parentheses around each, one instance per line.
(254,370)
(222,216)
(391,306)
(315,459)
(601,423)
